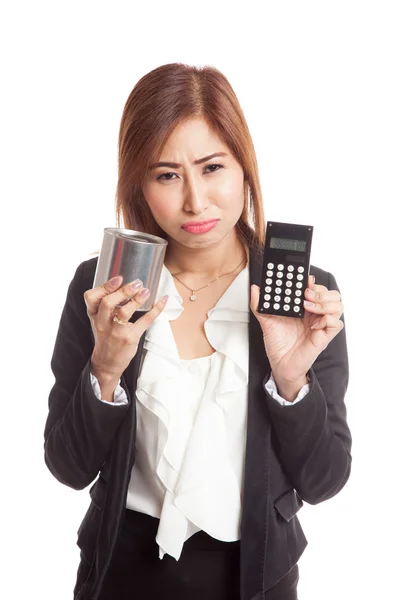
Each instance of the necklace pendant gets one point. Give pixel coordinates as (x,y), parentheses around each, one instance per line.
(193,297)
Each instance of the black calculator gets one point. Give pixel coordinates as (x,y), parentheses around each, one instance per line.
(285,270)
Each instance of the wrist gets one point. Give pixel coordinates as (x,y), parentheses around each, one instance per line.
(108,382)
(106,377)
(289,389)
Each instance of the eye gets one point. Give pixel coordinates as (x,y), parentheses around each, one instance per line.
(215,165)
(165,176)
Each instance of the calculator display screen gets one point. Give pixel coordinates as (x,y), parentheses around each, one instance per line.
(287,244)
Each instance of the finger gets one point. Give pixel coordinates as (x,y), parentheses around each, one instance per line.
(331,308)
(110,302)
(254,298)
(134,302)
(94,296)
(328,324)
(321,294)
(318,293)
(149,317)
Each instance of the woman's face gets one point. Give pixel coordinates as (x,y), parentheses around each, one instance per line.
(195,189)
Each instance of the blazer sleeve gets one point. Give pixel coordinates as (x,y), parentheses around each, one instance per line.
(79,430)
(313,439)
(120,398)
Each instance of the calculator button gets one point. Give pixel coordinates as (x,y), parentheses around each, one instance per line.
(286,307)
(289,275)
(287,300)
(270,273)
(277,306)
(267,297)
(290,268)
(280,275)
(279,282)
(297,300)
(288,292)
(266,305)
(268,281)
(267,288)
(289,284)
(299,284)
(300,277)
(277,298)
(300,269)
(278,290)
(270,265)
(298,293)
(296,308)
(280,267)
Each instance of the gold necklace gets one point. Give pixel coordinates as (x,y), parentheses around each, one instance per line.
(193,297)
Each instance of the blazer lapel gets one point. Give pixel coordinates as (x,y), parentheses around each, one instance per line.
(256,471)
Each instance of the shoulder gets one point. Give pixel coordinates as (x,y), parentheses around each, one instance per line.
(323,277)
(81,281)
(88,272)
(84,274)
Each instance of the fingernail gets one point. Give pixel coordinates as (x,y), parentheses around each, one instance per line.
(313,278)
(135,284)
(164,299)
(115,281)
(307,303)
(144,293)
(315,324)
(311,293)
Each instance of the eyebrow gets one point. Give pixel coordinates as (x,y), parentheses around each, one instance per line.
(196,162)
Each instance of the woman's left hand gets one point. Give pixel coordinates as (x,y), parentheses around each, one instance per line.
(293,344)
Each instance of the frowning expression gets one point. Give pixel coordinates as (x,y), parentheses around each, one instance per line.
(196,178)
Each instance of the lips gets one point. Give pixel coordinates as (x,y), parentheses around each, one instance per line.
(198,223)
(204,227)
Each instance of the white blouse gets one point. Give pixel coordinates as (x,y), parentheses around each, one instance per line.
(191,422)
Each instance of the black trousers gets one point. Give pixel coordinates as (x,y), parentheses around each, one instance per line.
(207,569)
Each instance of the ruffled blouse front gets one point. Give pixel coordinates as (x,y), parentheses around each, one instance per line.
(191,423)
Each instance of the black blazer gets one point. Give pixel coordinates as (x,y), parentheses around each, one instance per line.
(293,453)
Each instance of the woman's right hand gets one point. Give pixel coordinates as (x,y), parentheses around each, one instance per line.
(115,344)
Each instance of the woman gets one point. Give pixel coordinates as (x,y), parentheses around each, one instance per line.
(207,423)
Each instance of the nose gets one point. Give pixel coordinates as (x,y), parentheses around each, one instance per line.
(195,196)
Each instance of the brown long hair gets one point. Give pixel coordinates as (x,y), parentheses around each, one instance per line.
(162,99)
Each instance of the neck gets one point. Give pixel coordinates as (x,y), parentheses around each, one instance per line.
(206,263)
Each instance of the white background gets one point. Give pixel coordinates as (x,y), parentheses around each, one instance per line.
(319,85)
